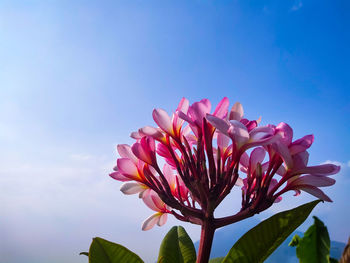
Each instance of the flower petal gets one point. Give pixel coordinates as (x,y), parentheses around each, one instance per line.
(284,153)
(118,176)
(222,140)
(302,144)
(168,174)
(238,132)
(199,110)
(236,112)
(286,133)
(162,219)
(144,150)
(163,120)
(260,133)
(323,169)
(158,202)
(318,181)
(257,156)
(132,188)
(316,192)
(222,108)
(127,168)
(218,123)
(150,221)
(136,135)
(125,151)
(183,105)
(300,160)
(147,199)
(151,131)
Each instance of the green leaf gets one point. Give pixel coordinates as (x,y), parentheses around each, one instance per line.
(103,251)
(84,253)
(177,247)
(333,260)
(314,247)
(259,242)
(216,260)
(295,241)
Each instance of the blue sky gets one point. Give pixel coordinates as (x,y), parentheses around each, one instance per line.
(76,77)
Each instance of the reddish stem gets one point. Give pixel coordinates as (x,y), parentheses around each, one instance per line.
(206,241)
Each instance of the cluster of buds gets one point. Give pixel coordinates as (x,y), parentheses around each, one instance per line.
(189,163)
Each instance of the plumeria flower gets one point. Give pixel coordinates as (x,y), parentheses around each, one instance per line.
(198,111)
(241,137)
(308,178)
(205,155)
(152,200)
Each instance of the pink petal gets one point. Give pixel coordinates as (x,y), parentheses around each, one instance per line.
(249,124)
(218,123)
(144,193)
(158,202)
(281,170)
(264,167)
(323,169)
(125,151)
(162,219)
(136,135)
(118,176)
(222,108)
(141,153)
(300,160)
(199,110)
(127,168)
(262,142)
(163,151)
(236,112)
(316,192)
(183,106)
(286,132)
(222,141)
(318,181)
(283,151)
(148,200)
(168,174)
(206,103)
(302,144)
(238,132)
(132,188)
(151,131)
(185,117)
(278,199)
(150,221)
(163,120)
(260,133)
(257,156)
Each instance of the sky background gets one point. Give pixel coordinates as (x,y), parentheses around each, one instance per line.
(76,77)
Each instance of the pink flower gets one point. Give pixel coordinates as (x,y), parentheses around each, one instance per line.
(152,200)
(204,156)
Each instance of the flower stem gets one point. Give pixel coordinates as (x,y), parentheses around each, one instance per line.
(206,241)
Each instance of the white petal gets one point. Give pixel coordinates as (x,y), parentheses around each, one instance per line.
(132,188)
(150,221)
(162,219)
(236,112)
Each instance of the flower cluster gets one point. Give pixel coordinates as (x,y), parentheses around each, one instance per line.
(204,155)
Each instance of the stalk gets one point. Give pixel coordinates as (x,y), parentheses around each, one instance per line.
(206,241)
